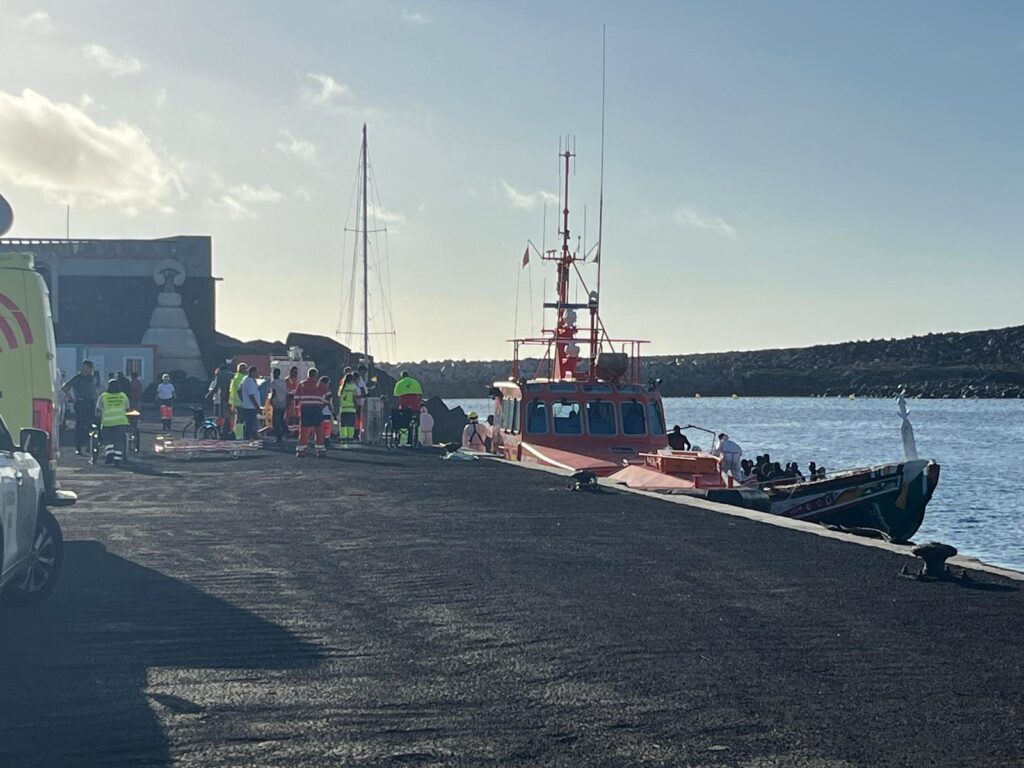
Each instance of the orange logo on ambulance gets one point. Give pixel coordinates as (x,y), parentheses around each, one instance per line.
(8,307)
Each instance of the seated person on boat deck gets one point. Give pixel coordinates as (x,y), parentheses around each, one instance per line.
(677,441)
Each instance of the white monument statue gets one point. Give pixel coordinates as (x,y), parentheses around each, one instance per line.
(176,345)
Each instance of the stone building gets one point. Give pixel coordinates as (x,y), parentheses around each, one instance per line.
(157,294)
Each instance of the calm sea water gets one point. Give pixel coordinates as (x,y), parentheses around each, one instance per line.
(979,504)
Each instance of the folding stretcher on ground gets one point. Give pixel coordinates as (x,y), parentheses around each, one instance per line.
(190,448)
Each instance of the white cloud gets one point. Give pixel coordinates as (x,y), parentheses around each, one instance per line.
(327,91)
(690,217)
(250,194)
(390,219)
(115,65)
(37,21)
(160,100)
(527,200)
(85,101)
(59,150)
(236,201)
(302,194)
(300,148)
(415,17)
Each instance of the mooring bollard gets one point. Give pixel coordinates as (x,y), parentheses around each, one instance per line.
(934,554)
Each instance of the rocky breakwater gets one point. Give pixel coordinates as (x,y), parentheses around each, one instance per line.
(979,364)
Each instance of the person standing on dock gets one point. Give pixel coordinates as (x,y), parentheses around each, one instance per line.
(409,393)
(278,404)
(426,427)
(165,401)
(348,391)
(410,397)
(82,388)
(113,412)
(311,397)
(135,392)
(475,434)
(327,426)
(362,392)
(249,404)
(235,396)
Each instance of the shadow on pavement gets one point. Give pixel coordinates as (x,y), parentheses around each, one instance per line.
(73,671)
(137,467)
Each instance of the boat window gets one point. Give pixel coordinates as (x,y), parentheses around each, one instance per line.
(629,388)
(657,418)
(596,388)
(633,421)
(505,421)
(566,418)
(600,417)
(537,417)
(534,387)
(516,411)
(562,387)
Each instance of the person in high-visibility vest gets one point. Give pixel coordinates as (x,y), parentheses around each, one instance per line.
(311,396)
(112,407)
(347,393)
(235,397)
(410,397)
(409,393)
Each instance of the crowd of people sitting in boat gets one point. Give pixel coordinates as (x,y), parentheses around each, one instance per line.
(760,470)
(764,470)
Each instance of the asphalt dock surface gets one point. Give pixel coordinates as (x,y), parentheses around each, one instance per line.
(376,608)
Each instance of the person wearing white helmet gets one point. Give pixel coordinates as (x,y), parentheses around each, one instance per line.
(475,434)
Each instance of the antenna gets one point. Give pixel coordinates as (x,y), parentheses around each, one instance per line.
(67,222)
(600,202)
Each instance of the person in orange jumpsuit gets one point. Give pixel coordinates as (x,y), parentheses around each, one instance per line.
(311,397)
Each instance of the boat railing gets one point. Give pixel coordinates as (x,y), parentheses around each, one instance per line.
(589,353)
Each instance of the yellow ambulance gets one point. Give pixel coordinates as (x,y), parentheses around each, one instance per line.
(28,351)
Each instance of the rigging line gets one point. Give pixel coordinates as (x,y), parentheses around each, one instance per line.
(600,203)
(347,310)
(350,308)
(344,290)
(384,266)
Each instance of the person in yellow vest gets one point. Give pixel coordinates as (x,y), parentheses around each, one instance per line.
(347,393)
(235,398)
(112,408)
(409,394)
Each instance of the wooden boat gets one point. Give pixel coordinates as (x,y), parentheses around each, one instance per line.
(890,498)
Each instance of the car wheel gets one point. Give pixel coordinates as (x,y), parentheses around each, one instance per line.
(45,563)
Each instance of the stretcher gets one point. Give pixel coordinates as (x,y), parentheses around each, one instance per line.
(190,448)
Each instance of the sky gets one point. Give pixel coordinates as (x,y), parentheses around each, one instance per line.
(776,174)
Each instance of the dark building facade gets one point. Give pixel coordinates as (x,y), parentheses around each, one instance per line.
(105,291)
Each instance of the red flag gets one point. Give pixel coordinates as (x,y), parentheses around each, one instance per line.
(526,256)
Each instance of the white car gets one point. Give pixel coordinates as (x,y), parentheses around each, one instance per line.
(31,542)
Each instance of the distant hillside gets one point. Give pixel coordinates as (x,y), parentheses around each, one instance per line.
(947,365)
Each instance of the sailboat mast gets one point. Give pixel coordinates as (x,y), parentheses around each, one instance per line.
(366,261)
